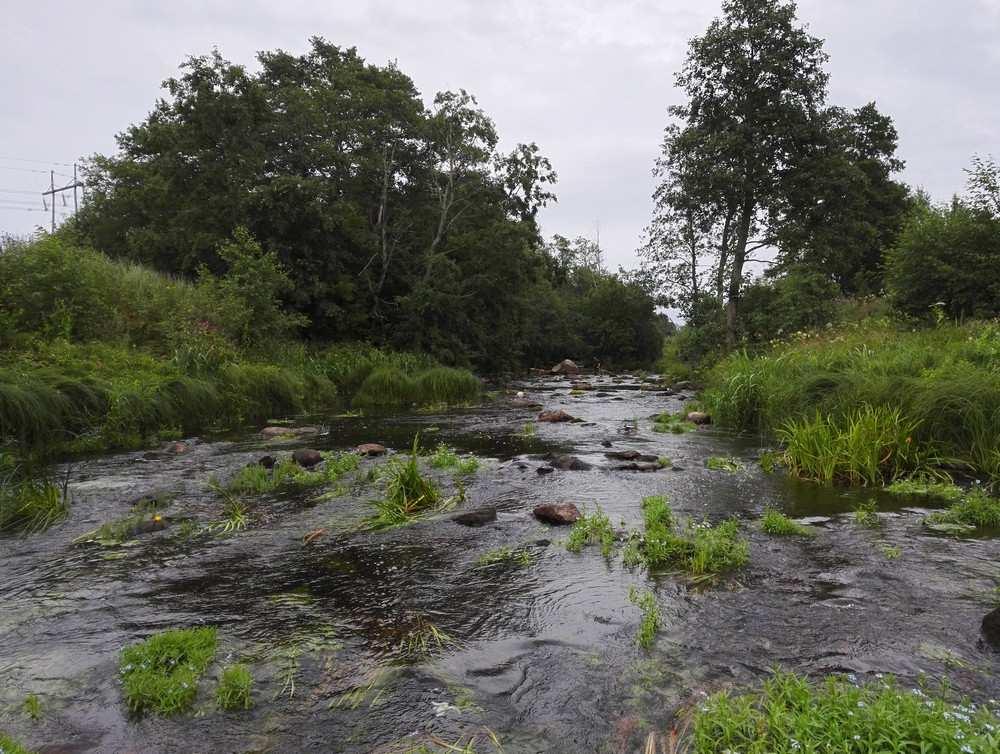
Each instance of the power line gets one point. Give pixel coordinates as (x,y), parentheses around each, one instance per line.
(18,191)
(39,162)
(23,170)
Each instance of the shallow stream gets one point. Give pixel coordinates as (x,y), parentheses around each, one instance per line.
(542,656)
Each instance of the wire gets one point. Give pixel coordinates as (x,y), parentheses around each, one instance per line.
(19,191)
(40,162)
(25,170)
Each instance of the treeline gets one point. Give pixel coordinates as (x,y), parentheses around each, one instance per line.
(397,223)
(759,172)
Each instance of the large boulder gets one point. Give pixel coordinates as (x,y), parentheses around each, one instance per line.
(557,416)
(991,629)
(557,514)
(479,517)
(307,457)
(569,463)
(566,367)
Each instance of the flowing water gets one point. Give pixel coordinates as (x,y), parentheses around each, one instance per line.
(542,656)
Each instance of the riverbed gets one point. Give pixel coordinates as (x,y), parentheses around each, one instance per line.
(538,655)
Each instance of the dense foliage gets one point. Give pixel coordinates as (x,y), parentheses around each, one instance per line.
(396,223)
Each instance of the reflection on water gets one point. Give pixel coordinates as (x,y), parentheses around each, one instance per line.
(364,641)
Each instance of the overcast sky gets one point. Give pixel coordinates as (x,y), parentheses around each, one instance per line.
(588,80)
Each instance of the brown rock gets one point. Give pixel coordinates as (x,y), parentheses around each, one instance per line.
(370,449)
(630,455)
(569,463)
(307,457)
(638,466)
(566,367)
(479,517)
(267,462)
(525,403)
(269,433)
(581,386)
(556,416)
(699,417)
(557,514)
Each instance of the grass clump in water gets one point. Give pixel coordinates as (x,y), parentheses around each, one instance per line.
(160,675)
(926,488)
(975,509)
(32,707)
(386,387)
(592,529)
(505,556)
(790,714)
(650,623)
(408,494)
(718,463)
(447,386)
(31,506)
(235,690)
(444,457)
(9,746)
(866,514)
(145,516)
(777,524)
(672,423)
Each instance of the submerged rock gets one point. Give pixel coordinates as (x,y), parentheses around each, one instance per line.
(545,470)
(307,457)
(479,517)
(637,466)
(991,629)
(267,462)
(699,417)
(565,367)
(569,463)
(525,403)
(631,455)
(370,449)
(557,514)
(273,432)
(606,443)
(156,523)
(556,417)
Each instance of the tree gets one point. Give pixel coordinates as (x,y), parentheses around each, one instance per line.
(755,86)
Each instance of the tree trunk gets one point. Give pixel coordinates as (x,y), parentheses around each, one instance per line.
(736,273)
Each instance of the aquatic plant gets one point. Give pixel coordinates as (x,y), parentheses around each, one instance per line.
(425,639)
(529,430)
(408,494)
(145,513)
(975,509)
(924,487)
(672,423)
(235,690)
(790,715)
(445,457)
(9,746)
(30,505)
(718,463)
(447,386)
(776,523)
(889,551)
(664,463)
(32,707)
(234,517)
(769,461)
(505,556)
(161,674)
(594,528)
(386,387)
(866,514)
(650,623)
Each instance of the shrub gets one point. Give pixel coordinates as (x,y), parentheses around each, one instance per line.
(235,689)
(386,387)
(791,714)
(161,674)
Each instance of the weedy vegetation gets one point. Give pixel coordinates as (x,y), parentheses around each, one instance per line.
(975,509)
(161,674)
(866,514)
(145,513)
(32,707)
(650,623)
(506,556)
(592,529)
(445,457)
(675,424)
(408,496)
(9,746)
(425,640)
(791,714)
(777,524)
(926,488)
(718,463)
(235,690)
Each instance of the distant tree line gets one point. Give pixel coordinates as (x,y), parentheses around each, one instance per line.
(398,223)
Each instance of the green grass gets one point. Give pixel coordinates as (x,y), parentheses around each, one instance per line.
(651,618)
(255,479)
(719,463)
(777,524)
(939,386)
(391,387)
(791,715)
(122,529)
(673,423)
(161,674)
(890,552)
(425,639)
(447,386)
(866,515)
(445,457)
(386,387)
(235,690)
(975,509)
(926,488)
(664,463)
(592,529)
(505,556)
(9,746)
(30,505)
(408,496)
(770,461)
(32,707)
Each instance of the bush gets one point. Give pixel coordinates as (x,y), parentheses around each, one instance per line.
(790,714)
(161,674)
(386,387)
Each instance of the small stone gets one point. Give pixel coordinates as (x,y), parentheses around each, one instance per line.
(606,443)
(557,514)
(542,470)
(370,449)
(699,417)
(479,517)
(307,457)
(565,367)
(637,466)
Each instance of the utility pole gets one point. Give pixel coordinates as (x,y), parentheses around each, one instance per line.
(53,191)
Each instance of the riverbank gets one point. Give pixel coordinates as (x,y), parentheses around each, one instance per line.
(872,402)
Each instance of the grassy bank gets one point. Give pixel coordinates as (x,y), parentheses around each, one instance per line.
(871,403)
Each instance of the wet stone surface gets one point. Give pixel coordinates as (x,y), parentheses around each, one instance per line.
(336,630)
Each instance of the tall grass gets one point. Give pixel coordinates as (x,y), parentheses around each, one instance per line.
(869,383)
(386,387)
(448,386)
